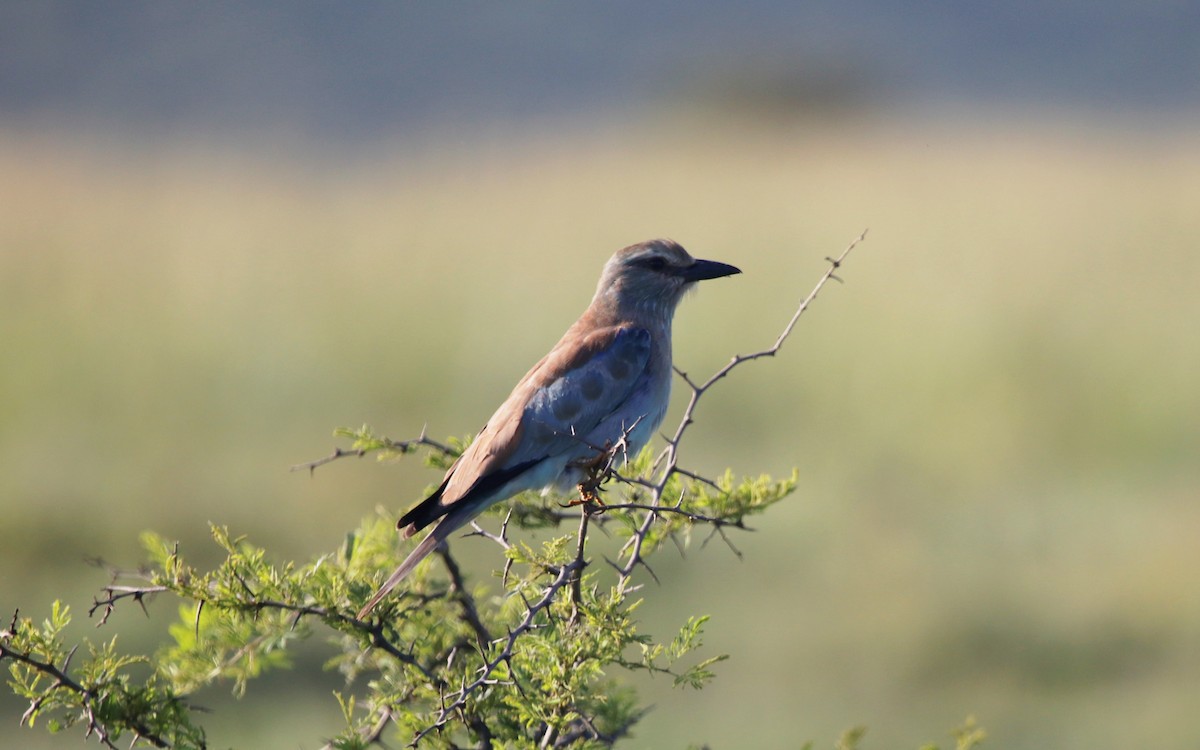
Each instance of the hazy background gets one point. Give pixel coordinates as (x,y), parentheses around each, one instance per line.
(226,229)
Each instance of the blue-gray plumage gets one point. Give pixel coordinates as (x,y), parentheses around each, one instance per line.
(607,379)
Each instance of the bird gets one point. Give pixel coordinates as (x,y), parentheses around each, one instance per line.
(607,382)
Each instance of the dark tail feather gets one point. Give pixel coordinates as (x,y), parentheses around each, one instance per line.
(454,515)
(432,508)
(425,512)
(440,533)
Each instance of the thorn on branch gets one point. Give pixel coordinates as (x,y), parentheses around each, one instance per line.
(382,443)
(87,697)
(116,593)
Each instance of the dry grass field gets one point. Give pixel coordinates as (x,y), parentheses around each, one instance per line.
(996,419)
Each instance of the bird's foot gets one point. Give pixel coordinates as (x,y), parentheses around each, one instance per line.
(589,495)
(596,470)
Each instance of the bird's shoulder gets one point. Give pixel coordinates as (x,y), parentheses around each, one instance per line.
(621,348)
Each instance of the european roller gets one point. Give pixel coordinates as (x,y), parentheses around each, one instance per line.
(606,382)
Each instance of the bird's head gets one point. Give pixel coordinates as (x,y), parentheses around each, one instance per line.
(651,277)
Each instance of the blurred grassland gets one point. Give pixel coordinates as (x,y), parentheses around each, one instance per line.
(996,419)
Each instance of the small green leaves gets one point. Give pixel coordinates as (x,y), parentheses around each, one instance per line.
(99,691)
(446,663)
(966,737)
(364,441)
(969,735)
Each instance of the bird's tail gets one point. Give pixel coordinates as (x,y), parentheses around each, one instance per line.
(440,533)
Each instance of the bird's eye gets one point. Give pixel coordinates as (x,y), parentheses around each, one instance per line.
(654,263)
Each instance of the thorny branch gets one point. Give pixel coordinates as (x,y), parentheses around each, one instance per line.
(569,576)
(386,444)
(114,593)
(699,389)
(95,726)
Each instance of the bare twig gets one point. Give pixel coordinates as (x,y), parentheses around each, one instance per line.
(115,593)
(397,446)
(698,390)
(715,521)
(579,563)
(500,538)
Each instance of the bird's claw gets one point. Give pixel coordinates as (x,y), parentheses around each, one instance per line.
(596,470)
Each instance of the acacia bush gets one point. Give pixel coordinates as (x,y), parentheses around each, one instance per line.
(533,661)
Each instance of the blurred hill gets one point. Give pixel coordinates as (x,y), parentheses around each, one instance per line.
(345,73)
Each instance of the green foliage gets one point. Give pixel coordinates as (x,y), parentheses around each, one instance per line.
(443,662)
(102,692)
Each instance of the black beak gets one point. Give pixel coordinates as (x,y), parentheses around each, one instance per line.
(707,269)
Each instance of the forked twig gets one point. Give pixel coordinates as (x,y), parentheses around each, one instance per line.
(396,446)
